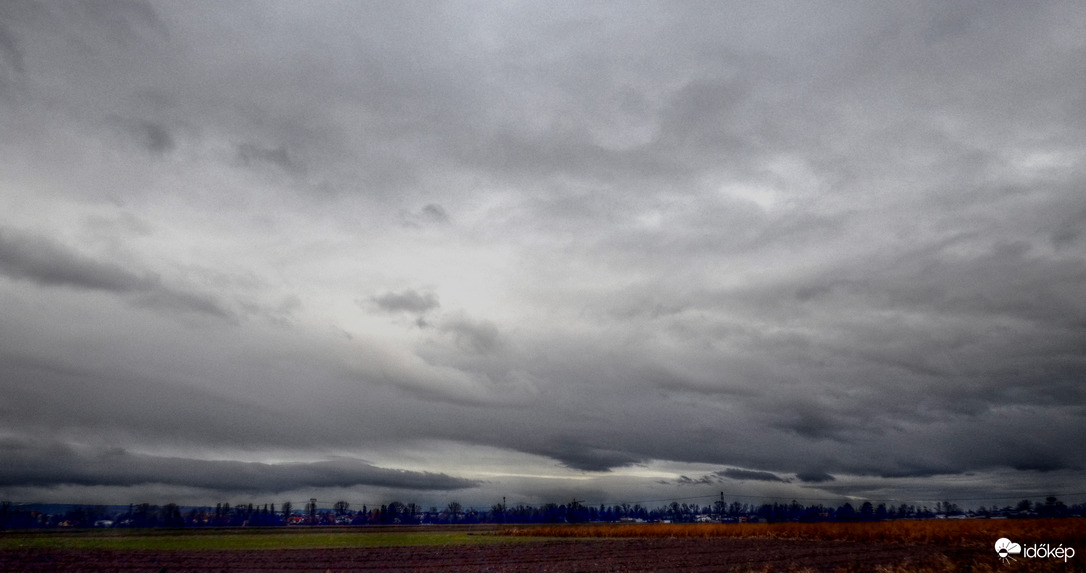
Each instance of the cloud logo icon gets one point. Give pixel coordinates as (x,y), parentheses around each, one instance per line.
(1005,548)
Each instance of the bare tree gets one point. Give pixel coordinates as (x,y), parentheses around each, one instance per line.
(454,510)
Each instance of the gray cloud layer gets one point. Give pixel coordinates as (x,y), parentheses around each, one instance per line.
(38,259)
(407,300)
(824,240)
(56,464)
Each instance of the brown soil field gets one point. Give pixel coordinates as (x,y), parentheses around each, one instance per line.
(890,547)
(956,532)
(644,554)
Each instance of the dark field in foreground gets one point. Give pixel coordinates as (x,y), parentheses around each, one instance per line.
(888,548)
(661,554)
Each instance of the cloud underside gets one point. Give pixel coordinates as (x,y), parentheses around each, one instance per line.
(749,475)
(730,474)
(42,261)
(407,301)
(51,465)
(815,476)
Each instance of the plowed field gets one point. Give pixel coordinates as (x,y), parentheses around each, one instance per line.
(551,555)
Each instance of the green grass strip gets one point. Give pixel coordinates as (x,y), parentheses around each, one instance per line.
(195,540)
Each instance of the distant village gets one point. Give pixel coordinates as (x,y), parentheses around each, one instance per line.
(342,513)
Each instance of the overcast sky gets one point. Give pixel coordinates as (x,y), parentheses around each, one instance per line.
(626,251)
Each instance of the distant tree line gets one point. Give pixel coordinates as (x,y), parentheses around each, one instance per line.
(341,513)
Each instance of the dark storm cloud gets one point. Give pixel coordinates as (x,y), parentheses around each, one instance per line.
(86,395)
(814,476)
(732,474)
(407,300)
(29,257)
(1009,279)
(52,464)
(812,423)
(738,474)
(25,256)
(588,458)
(686,480)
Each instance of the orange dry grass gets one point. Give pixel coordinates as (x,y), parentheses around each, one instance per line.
(973,532)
